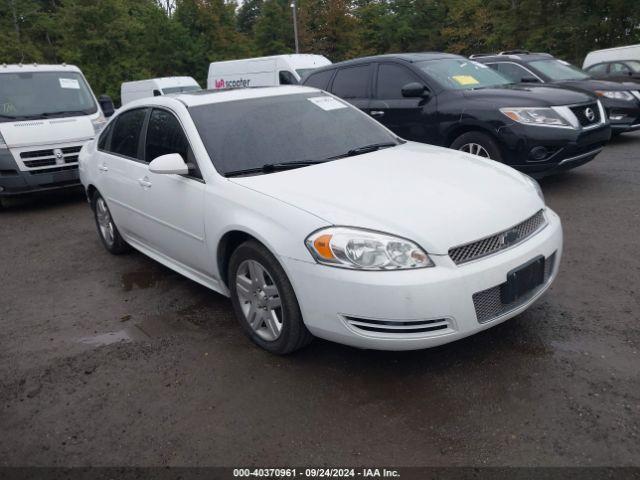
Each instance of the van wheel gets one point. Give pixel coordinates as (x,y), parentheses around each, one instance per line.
(478,143)
(107,230)
(264,300)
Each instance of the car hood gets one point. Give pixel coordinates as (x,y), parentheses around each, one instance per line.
(437,197)
(46,131)
(524,95)
(592,85)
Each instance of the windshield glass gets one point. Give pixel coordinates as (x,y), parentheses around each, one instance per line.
(249,134)
(188,88)
(634,65)
(461,74)
(559,70)
(303,72)
(27,95)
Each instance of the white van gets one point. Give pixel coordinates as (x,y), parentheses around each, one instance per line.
(629,52)
(263,71)
(154,87)
(47,113)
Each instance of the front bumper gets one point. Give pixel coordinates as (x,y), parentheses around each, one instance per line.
(438,301)
(567,148)
(624,116)
(14,181)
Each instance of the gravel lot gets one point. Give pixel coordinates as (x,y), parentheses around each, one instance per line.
(558,385)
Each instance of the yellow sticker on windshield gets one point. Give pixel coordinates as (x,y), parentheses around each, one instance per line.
(465,79)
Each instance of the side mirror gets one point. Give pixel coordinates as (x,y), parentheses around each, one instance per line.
(529,80)
(106,105)
(415,90)
(171,163)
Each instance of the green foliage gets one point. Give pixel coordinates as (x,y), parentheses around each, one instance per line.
(119,40)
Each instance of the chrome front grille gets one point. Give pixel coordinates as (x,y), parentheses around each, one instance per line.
(50,157)
(500,241)
(587,115)
(395,328)
(488,303)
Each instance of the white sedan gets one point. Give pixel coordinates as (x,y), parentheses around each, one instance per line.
(316,220)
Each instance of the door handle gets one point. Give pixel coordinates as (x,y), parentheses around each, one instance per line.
(377,113)
(103,168)
(144,183)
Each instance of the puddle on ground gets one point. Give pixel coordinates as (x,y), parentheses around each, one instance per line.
(129,334)
(140,279)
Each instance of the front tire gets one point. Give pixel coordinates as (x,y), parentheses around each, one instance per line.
(107,230)
(478,143)
(264,301)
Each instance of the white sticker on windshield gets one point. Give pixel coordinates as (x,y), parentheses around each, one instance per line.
(327,103)
(69,83)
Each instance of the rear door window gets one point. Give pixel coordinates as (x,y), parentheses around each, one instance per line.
(352,82)
(125,138)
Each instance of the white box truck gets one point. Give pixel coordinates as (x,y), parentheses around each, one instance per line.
(263,71)
(47,113)
(154,87)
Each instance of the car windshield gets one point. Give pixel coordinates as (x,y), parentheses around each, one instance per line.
(186,88)
(461,74)
(30,95)
(253,134)
(303,72)
(634,65)
(559,70)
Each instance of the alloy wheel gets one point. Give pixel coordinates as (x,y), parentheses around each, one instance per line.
(259,300)
(105,222)
(475,149)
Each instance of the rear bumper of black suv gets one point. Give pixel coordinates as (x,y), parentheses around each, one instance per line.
(541,151)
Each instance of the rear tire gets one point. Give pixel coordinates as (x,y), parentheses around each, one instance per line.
(264,301)
(478,143)
(107,230)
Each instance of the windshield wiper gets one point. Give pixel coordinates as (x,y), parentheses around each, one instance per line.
(274,167)
(64,112)
(365,149)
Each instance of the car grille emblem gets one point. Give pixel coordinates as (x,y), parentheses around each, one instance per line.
(590,114)
(59,158)
(508,238)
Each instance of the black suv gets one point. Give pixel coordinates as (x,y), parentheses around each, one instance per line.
(621,101)
(448,100)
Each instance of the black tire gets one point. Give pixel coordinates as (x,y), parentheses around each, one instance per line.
(478,138)
(117,245)
(293,334)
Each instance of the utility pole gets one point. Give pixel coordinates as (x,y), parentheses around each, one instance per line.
(295,24)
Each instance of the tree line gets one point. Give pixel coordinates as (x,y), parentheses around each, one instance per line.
(119,40)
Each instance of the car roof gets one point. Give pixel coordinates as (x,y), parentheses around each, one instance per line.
(407,57)
(34,67)
(523,56)
(206,97)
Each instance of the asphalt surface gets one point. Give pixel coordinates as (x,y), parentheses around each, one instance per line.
(108,360)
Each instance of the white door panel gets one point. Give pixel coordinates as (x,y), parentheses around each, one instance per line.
(174,219)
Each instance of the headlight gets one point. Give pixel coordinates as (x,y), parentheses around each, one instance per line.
(99,123)
(615,95)
(535,116)
(3,144)
(365,250)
